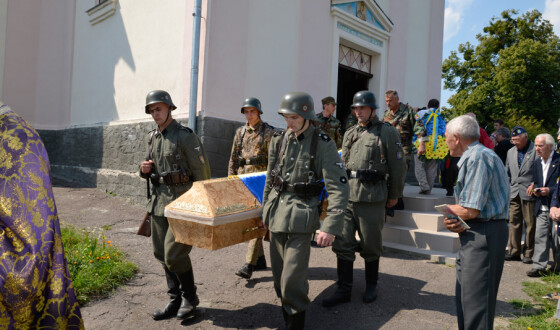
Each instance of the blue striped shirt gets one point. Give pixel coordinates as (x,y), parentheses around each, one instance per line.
(483,183)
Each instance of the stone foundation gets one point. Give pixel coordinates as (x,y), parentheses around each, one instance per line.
(108,157)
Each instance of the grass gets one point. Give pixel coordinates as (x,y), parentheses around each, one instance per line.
(95,265)
(537,313)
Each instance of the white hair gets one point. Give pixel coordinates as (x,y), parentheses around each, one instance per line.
(548,139)
(465,126)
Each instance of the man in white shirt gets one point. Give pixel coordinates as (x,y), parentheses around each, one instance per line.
(546,170)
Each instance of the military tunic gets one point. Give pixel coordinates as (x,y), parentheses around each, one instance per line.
(174,141)
(253,148)
(403,120)
(332,127)
(375,147)
(250,156)
(292,219)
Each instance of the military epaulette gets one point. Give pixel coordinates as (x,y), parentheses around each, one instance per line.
(267,125)
(185,128)
(324,136)
(353,127)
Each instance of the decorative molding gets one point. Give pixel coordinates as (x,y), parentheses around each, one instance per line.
(347,29)
(102,11)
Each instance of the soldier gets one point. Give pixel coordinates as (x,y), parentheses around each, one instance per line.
(374,160)
(249,154)
(401,116)
(328,121)
(299,158)
(176,158)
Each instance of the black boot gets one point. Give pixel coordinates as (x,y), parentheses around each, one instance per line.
(343,293)
(189,299)
(170,310)
(372,271)
(246,271)
(261,263)
(296,321)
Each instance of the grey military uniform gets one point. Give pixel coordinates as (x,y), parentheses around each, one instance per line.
(292,219)
(377,149)
(175,148)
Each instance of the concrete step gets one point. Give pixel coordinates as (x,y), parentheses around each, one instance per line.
(413,201)
(447,242)
(434,256)
(418,220)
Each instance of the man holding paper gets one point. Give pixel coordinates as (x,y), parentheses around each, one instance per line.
(482,194)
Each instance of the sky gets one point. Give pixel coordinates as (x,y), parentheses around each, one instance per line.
(464,19)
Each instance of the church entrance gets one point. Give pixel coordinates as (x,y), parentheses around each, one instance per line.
(350,81)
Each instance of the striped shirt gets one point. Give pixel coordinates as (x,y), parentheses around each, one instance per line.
(483,183)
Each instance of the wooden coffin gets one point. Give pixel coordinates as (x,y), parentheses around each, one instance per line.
(215,214)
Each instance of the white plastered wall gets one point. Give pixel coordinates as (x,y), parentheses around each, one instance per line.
(142,47)
(3,23)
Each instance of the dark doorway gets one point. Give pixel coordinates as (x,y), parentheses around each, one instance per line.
(350,81)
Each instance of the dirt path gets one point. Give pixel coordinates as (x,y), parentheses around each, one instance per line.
(414,293)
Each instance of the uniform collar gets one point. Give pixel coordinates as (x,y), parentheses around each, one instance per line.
(370,123)
(304,134)
(256,128)
(169,128)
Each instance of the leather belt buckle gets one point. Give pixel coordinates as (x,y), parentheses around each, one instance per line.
(353,174)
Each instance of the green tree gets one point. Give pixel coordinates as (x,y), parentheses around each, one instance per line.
(513,73)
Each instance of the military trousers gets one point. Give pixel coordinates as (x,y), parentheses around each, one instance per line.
(479,266)
(173,255)
(289,259)
(254,251)
(367,219)
(521,211)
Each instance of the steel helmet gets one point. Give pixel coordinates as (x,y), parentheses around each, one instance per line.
(252,102)
(364,98)
(297,103)
(159,96)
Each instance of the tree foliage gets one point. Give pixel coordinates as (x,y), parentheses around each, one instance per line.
(513,73)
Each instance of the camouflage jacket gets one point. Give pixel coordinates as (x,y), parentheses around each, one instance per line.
(249,152)
(403,120)
(331,126)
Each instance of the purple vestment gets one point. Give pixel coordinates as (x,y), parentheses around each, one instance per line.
(35,286)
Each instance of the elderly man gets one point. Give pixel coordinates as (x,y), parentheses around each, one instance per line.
(545,175)
(519,166)
(482,201)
